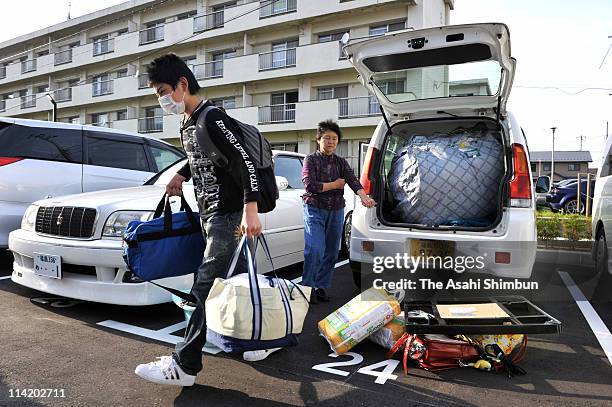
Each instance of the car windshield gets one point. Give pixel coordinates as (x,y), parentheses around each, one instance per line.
(164,176)
(481,78)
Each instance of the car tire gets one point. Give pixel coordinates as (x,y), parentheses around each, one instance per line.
(571,206)
(356,270)
(345,244)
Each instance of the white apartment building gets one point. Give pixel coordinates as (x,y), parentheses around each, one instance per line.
(273,63)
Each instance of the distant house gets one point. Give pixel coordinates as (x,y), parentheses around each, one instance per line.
(567,163)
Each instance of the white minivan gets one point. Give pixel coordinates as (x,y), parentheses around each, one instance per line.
(448,165)
(40,159)
(601,220)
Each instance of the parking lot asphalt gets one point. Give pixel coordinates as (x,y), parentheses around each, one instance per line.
(77,348)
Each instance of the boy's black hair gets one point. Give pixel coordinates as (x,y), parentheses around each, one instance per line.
(328,125)
(168,69)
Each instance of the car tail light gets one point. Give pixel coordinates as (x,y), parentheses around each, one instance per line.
(520,186)
(366,183)
(9,160)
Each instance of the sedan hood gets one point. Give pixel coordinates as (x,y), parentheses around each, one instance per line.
(137,198)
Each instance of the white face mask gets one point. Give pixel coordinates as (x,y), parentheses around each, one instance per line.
(170,106)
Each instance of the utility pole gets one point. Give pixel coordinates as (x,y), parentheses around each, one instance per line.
(581,138)
(552,164)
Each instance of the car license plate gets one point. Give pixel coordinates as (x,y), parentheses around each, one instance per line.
(426,248)
(47,265)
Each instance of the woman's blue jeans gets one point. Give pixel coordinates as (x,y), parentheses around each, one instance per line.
(322,234)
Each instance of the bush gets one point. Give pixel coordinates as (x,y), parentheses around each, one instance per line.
(576,227)
(549,227)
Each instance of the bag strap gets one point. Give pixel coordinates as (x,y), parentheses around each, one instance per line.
(182,295)
(164,207)
(205,142)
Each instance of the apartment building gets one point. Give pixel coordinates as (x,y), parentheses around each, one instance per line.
(273,63)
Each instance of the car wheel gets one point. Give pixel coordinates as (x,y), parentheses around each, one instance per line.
(345,245)
(601,259)
(571,206)
(356,269)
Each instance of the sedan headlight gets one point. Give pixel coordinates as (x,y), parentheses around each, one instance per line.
(117,222)
(28,221)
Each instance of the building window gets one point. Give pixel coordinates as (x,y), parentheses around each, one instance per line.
(533,168)
(186,15)
(331,37)
(332,92)
(392,86)
(573,167)
(546,167)
(100,119)
(285,147)
(41,89)
(385,28)
(225,103)
(122,31)
(122,114)
(122,73)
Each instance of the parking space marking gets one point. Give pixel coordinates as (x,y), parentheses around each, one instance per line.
(5,277)
(601,331)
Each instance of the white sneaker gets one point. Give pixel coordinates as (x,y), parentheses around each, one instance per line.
(165,370)
(256,355)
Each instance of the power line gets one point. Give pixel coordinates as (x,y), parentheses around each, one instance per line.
(82,82)
(605,56)
(564,91)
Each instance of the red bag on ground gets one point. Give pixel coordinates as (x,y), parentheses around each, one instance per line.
(435,352)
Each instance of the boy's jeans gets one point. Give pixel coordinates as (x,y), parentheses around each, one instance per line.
(220,243)
(322,234)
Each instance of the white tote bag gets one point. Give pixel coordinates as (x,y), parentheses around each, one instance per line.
(250,311)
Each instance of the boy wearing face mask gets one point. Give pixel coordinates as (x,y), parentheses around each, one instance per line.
(226,201)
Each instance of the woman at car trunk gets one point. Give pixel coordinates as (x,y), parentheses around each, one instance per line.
(324,175)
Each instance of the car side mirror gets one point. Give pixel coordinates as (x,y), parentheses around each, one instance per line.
(543,184)
(281,183)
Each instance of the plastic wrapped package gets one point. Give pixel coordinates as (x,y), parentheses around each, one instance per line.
(447,179)
(389,334)
(358,319)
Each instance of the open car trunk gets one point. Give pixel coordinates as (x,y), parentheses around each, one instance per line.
(444,174)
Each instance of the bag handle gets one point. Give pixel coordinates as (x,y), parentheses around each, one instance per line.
(164,207)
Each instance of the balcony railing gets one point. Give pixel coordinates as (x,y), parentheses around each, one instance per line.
(2,71)
(277,114)
(208,21)
(151,124)
(2,105)
(153,34)
(208,70)
(63,95)
(28,101)
(358,107)
(143,81)
(63,57)
(284,58)
(278,7)
(103,46)
(28,66)
(100,88)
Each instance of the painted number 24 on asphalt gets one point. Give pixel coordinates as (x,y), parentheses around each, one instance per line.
(388,367)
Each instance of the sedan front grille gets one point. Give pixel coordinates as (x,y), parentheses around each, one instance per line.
(66,221)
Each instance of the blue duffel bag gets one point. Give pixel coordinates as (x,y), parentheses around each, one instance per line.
(166,246)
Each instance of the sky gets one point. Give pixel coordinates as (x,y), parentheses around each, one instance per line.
(557,43)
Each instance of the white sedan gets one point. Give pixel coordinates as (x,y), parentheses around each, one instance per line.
(80,256)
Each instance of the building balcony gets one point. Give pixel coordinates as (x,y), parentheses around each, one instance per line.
(151,35)
(277,59)
(102,88)
(28,66)
(63,95)
(101,124)
(277,7)
(63,57)
(208,21)
(153,124)
(2,105)
(102,47)
(276,114)
(358,107)
(28,101)
(208,70)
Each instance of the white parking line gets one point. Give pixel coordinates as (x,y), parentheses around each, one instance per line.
(5,277)
(601,331)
